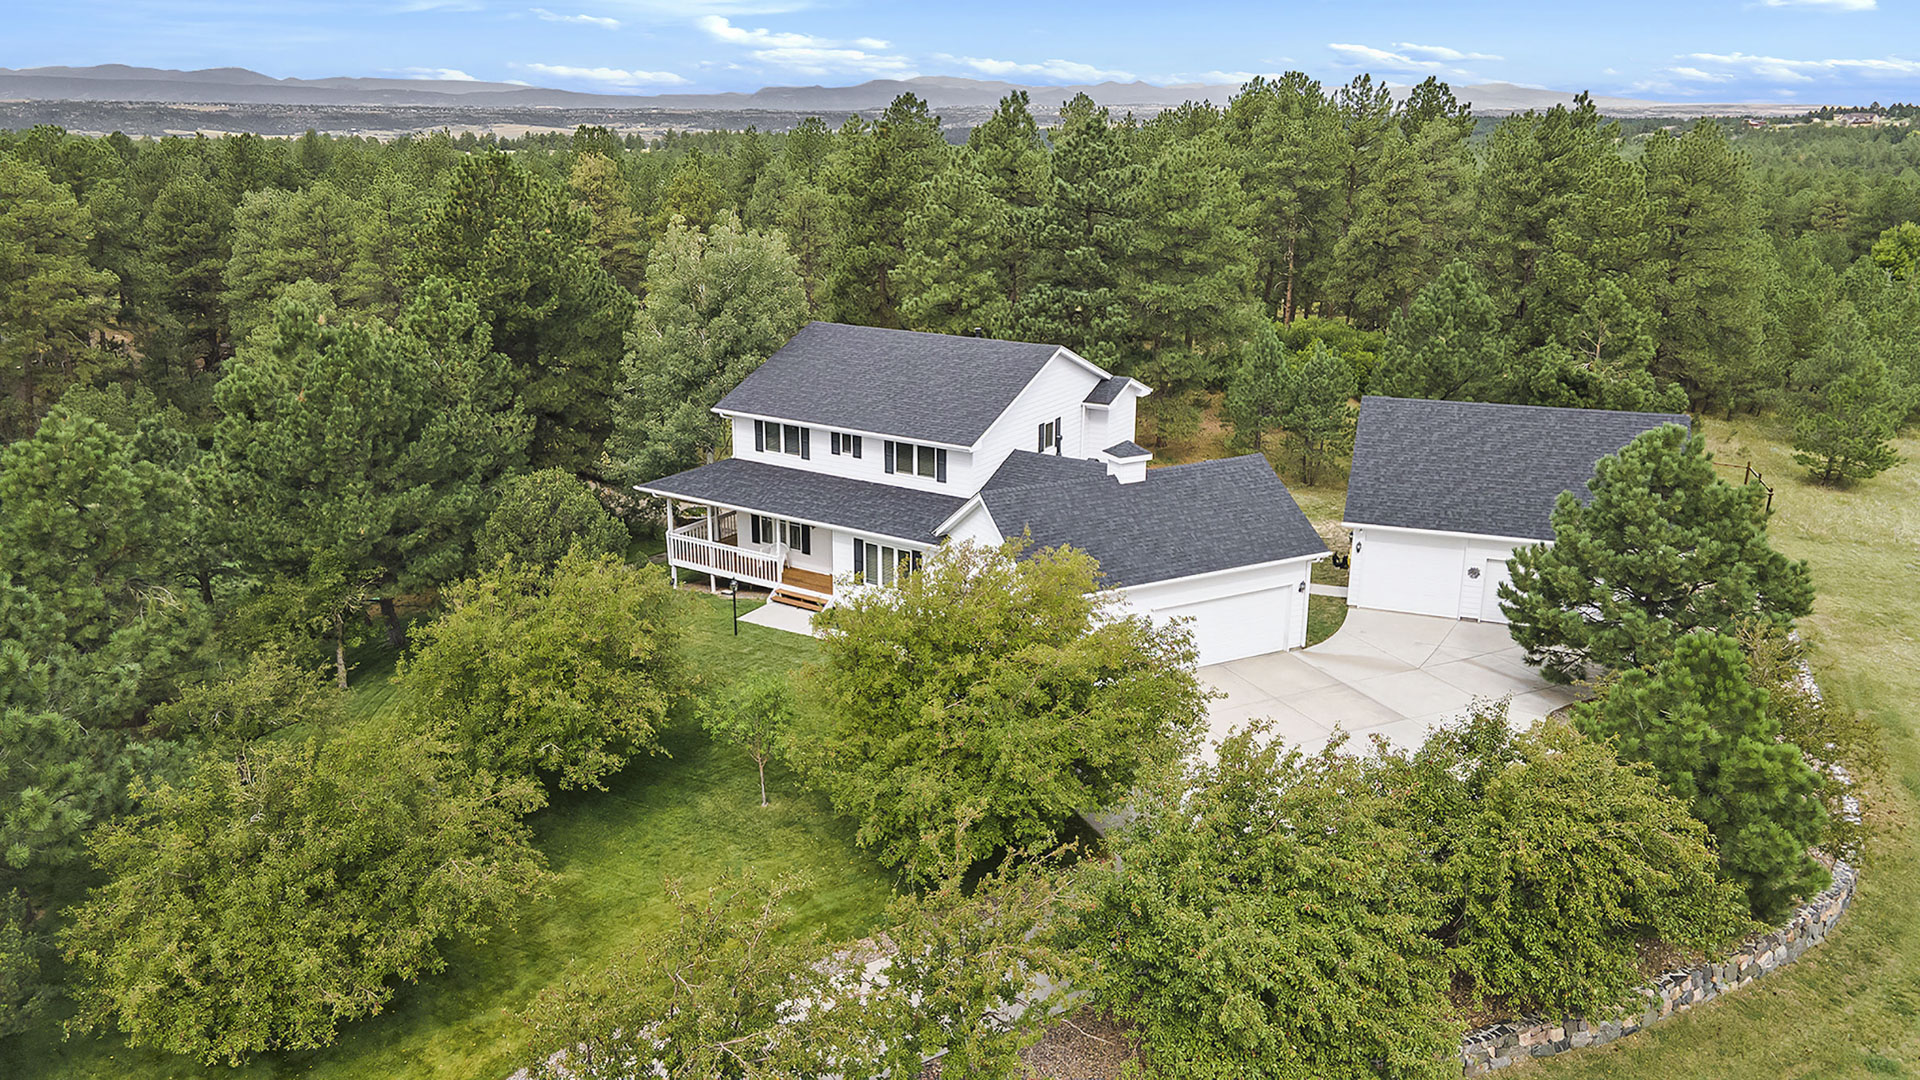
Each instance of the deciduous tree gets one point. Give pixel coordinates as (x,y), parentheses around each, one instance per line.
(990,686)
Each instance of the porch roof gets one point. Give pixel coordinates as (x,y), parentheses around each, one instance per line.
(815,498)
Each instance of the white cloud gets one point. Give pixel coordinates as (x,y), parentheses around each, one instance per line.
(443,74)
(1696,75)
(1805,71)
(1400,61)
(587,20)
(1221,78)
(610,76)
(806,53)
(1067,71)
(1441,52)
(1825,5)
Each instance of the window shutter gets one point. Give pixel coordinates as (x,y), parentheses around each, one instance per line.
(889,455)
(940,465)
(1058,430)
(859,556)
(833,442)
(760,435)
(755,519)
(1041,445)
(806,539)
(856,446)
(805,443)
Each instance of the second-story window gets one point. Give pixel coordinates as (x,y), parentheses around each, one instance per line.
(843,444)
(912,459)
(1050,437)
(781,438)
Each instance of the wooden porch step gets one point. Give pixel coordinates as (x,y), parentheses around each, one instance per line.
(810,580)
(804,603)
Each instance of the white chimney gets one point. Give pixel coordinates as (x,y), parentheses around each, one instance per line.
(1126,461)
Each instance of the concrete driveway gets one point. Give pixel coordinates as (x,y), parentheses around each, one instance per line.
(1381,673)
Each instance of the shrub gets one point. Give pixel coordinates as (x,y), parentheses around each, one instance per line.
(567,672)
(279,892)
(1553,860)
(1264,917)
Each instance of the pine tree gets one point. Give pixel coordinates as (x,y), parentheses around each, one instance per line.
(516,247)
(1665,548)
(1085,238)
(366,449)
(718,304)
(950,281)
(1704,727)
(877,179)
(1010,154)
(1405,223)
(616,233)
(1188,267)
(1706,240)
(1852,407)
(51,299)
(1536,167)
(1449,345)
(1319,419)
(1288,142)
(1257,392)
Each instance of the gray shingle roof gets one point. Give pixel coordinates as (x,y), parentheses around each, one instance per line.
(1024,468)
(859,505)
(1179,521)
(1456,466)
(930,387)
(1127,448)
(1108,389)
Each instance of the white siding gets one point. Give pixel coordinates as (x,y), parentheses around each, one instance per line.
(976,525)
(1120,419)
(1058,392)
(870,465)
(1425,573)
(1094,421)
(1240,613)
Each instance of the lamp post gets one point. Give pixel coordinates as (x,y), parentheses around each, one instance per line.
(735,594)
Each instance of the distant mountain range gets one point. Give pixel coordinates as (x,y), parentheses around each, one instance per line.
(239,86)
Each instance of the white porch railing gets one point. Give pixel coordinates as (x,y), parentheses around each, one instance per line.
(688,546)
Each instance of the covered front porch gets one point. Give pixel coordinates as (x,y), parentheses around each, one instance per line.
(770,555)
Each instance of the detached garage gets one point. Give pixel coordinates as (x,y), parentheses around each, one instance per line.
(1442,492)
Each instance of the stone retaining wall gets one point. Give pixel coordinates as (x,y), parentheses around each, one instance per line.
(1496,1047)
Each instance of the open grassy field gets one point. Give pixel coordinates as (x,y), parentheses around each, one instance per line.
(692,813)
(1852,1007)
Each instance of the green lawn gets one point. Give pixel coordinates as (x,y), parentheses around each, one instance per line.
(691,814)
(1852,1007)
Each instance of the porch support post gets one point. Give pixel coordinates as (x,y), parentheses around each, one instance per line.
(673,572)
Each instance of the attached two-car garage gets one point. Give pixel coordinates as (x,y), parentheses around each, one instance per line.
(1241,613)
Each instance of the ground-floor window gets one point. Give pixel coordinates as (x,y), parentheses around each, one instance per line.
(882,565)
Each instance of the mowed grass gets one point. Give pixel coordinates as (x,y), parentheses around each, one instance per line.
(1850,1008)
(691,814)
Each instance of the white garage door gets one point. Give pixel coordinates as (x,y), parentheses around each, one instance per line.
(1497,573)
(1402,572)
(1232,627)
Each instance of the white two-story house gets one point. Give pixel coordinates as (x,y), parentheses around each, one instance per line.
(856,451)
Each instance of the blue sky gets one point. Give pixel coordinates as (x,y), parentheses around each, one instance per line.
(1816,51)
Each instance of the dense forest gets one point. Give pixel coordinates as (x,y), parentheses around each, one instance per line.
(253,390)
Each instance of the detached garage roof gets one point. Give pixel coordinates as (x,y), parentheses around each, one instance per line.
(1180,521)
(930,387)
(1466,467)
